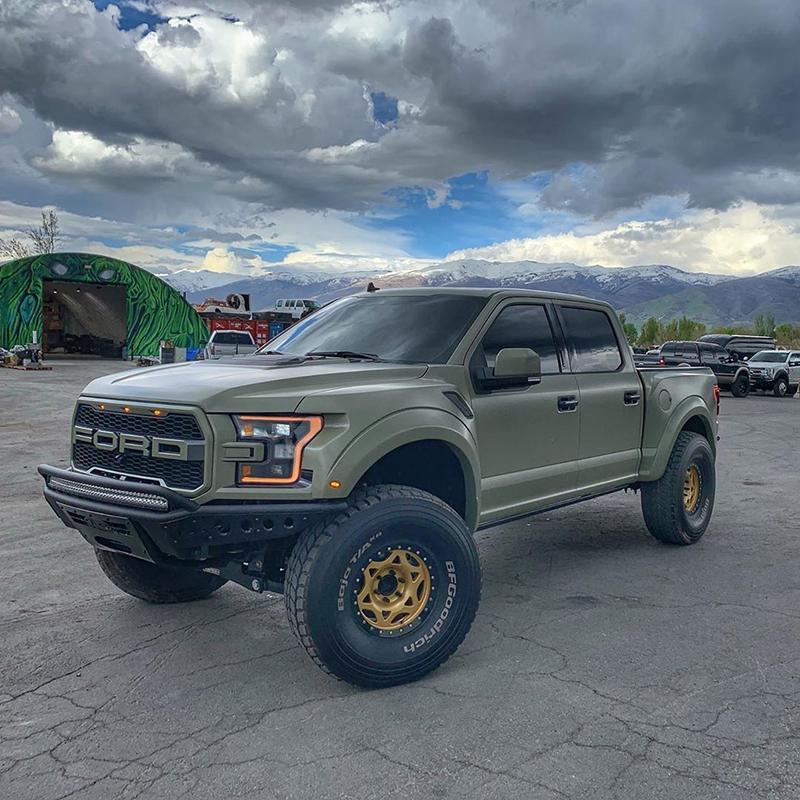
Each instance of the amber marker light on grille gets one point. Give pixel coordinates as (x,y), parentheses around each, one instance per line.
(335,484)
(157,412)
(126,409)
(247,428)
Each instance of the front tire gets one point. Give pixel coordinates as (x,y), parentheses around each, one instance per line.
(154,583)
(385,592)
(781,387)
(678,506)
(741,386)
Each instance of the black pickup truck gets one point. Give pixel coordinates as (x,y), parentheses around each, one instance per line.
(731,373)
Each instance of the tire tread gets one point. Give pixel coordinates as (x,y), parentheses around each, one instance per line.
(155,584)
(661,513)
(309,546)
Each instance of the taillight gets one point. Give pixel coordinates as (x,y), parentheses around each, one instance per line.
(662,362)
(716,397)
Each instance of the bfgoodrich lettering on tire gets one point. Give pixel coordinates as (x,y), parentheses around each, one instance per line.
(677,507)
(388,590)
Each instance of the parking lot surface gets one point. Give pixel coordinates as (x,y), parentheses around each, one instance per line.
(601,664)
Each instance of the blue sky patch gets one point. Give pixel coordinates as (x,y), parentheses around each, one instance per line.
(384,107)
(475,213)
(130,16)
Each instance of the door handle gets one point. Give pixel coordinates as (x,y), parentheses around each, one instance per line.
(567,403)
(632,398)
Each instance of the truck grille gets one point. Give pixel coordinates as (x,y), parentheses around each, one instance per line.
(173,473)
(173,426)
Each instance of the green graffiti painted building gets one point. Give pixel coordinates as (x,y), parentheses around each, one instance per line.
(152,310)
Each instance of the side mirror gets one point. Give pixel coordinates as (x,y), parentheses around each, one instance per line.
(513,366)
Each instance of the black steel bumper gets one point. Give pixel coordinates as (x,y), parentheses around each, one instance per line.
(159,525)
(757,382)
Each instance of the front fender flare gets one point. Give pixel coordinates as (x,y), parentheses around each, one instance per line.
(406,427)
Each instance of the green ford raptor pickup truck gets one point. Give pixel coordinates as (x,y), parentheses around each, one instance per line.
(348,463)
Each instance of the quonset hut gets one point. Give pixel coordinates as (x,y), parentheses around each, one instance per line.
(89,304)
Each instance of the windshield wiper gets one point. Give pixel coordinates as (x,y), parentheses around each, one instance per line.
(343,354)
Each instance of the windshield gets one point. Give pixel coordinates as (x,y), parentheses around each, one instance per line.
(409,327)
(770,356)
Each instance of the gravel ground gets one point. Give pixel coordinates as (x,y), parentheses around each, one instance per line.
(601,664)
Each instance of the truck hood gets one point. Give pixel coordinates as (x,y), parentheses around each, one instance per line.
(251,384)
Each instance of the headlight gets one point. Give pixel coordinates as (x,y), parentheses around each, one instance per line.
(768,371)
(284,439)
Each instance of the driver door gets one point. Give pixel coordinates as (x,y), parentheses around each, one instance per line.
(527,436)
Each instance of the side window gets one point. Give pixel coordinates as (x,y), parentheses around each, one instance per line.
(519,326)
(591,341)
(690,352)
(668,349)
(279,304)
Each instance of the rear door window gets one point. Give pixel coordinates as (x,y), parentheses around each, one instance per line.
(592,344)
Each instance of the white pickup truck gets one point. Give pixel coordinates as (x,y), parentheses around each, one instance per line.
(777,371)
(231,343)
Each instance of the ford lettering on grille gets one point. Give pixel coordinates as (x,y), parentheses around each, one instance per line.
(169,450)
(153,446)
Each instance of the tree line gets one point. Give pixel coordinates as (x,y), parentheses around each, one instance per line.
(655,332)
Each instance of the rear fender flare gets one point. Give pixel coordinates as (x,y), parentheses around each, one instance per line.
(655,459)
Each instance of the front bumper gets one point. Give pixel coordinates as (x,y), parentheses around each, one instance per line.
(159,525)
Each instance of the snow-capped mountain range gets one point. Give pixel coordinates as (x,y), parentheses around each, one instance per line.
(640,291)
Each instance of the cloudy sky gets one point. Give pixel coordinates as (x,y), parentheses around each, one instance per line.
(229,134)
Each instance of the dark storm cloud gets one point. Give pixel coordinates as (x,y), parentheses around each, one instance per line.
(679,98)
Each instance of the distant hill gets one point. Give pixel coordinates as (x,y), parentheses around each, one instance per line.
(655,290)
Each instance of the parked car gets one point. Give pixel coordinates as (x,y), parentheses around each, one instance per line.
(777,371)
(739,345)
(648,358)
(731,373)
(231,343)
(296,308)
(351,467)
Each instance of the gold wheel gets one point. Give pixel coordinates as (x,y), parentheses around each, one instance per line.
(691,489)
(395,590)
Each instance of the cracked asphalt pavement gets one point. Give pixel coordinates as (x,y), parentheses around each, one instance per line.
(601,664)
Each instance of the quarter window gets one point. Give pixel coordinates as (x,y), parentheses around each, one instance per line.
(519,326)
(593,347)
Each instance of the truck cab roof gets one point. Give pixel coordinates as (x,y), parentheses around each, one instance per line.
(489,292)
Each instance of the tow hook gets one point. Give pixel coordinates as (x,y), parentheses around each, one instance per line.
(249,573)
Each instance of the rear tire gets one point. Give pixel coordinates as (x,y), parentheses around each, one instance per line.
(741,386)
(154,583)
(781,387)
(678,506)
(385,592)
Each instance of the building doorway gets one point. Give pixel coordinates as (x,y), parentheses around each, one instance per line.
(84,319)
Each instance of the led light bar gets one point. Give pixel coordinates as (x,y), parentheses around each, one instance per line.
(123,497)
